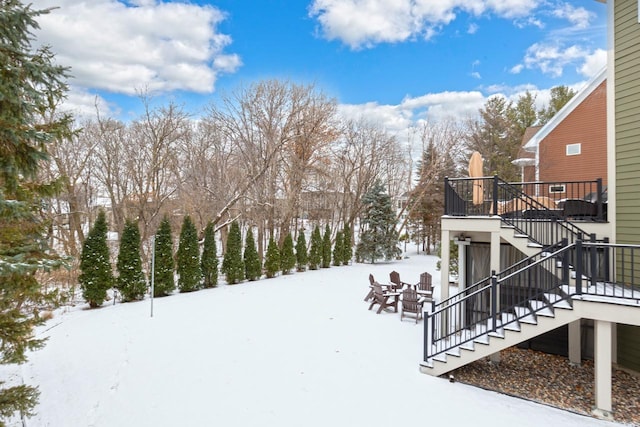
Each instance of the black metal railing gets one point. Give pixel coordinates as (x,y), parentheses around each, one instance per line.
(574,269)
(537,217)
(577,200)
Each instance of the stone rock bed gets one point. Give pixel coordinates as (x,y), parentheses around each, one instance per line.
(552,380)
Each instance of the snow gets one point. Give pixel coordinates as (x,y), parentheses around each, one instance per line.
(296,350)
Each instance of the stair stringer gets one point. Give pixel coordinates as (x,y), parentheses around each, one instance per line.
(495,343)
(520,242)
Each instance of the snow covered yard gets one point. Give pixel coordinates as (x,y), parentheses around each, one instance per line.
(296,350)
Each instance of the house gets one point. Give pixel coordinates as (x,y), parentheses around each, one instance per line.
(529,263)
(572,146)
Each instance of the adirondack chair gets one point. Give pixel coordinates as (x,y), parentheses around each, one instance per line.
(396,283)
(411,304)
(425,287)
(385,299)
(371,282)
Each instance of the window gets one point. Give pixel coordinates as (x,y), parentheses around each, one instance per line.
(573,149)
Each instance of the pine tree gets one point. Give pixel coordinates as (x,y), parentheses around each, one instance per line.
(315,252)
(164,265)
(252,264)
(188,258)
(30,83)
(131,282)
(272,259)
(232,264)
(209,257)
(378,238)
(347,252)
(338,249)
(96,276)
(301,252)
(287,257)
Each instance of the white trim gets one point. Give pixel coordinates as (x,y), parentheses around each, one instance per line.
(574,149)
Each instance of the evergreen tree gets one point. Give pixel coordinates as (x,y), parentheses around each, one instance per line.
(131,282)
(209,257)
(301,252)
(326,247)
(252,264)
(287,257)
(560,95)
(338,249)
(96,275)
(232,264)
(347,252)
(30,83)
(188,258)
(315,252)
(272,260)
(378,238)
(164,265)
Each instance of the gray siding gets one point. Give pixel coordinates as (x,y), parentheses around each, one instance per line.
(627,106)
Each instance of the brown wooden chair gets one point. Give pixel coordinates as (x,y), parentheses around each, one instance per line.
(371,282)
(411,304)
(396,283)
(425,286)
(385,299)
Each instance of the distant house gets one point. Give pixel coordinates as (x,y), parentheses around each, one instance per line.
(572,146)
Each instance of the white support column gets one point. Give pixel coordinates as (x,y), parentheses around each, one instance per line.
(602,365)
(462,243)
(575,356)
(445,242)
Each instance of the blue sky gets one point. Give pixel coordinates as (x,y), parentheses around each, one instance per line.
(395,61)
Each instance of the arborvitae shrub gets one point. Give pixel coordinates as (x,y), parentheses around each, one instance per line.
(315,252)
(131,282)
(301,252)
(252,264)
(209,258)
(272,260)
(326,247)
(338,249)
(346,251)
(164,265)
(287,257)
(232,264)
(188,258)
(96,275)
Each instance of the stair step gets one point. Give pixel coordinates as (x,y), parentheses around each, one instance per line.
(468,346)
(525,316)
(524,236)
(440,358)
(534,245)
(483,339)
(557,301)
(541,308)
(454,352)
(509,322)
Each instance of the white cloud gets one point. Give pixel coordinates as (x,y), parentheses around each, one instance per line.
(364,23)
(551,58)
(147,44)
(579,17)
(593,63)
(398,119)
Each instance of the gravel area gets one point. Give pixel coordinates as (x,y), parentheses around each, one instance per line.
(552,380)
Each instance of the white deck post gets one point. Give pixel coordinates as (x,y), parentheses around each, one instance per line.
(602,364)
